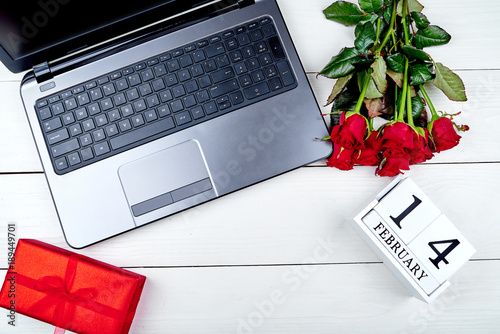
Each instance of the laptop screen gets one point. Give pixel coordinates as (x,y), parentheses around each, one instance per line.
(54,28)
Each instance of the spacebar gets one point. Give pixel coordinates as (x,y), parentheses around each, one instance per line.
(142,133)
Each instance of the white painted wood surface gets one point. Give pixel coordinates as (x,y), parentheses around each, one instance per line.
(279,257)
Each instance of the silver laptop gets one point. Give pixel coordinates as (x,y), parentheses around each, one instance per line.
(143,109)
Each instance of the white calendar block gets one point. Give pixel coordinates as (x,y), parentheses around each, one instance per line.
(407,210)
(401,252)
(414,239)
(442,248)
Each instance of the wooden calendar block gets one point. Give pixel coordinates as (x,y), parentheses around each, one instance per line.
(442,248)
(401,252)
(415,240)
(407,210)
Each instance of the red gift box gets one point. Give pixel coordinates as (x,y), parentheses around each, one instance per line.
(70,291)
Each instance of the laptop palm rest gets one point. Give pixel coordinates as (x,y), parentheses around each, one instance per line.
(168,181)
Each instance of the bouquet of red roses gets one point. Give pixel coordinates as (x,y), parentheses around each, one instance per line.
(383,75)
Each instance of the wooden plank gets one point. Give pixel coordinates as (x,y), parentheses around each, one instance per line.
(280,221)
(16,141)
(318,39)
(304,299)
(17,147)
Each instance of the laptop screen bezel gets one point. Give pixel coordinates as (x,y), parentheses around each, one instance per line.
(102,34)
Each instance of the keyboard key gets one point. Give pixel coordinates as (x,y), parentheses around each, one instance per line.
(197,112)
(171,80)
(88,125)
(58,136)
(160,70)
(210,108)
(74,159)
(57,109)
(236,98)
(125,125)
(147,75)
(127,110)
(94,109)
(101,120)
(101,148)
(215,50)
(44,114)
(111,130)
(158,85)
(173,65)
(199,56)
(61,164)
(106,104)
(224,88)
(81,114)
(145,89)
(109,89)
(183,118)
(114,115)
(87,154)
(286,73)
(134,80)
(221,75)
(140,105)
(132,94)
(98,135)
(137,120)
(96,94)
(52,125)
(189,101)
(75,130)
(142,133)
(86,140)
(243,39)
(150,116)
(68,118)
(256,91)
(176,106)
(276,48)
(83,99)
(121,84)
(64,148)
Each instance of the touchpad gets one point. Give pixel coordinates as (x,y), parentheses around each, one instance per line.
(173,178)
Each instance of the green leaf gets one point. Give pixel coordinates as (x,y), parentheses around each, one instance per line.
(450,83)
(374,106)
(348,99)
(396,62)
(372,92)
(344,12)
(420,74)
(371,6)
(342,64)
(417,105)
(397,77)
(379,74)
(366,38)
(413,52)
(414,6)
(431,36)
(420,19)
(338,88)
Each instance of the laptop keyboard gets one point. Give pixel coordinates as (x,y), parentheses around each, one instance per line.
(164,94)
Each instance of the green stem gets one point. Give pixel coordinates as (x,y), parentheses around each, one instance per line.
(378,31)
(409,108)
(363,92)
(390,32)
(403,21)
(401,113)
(434,113)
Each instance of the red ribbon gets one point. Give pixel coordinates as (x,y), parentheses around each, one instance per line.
(58,292)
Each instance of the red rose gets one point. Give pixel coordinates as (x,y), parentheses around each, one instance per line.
(351,131)
(393,166)
(341,158)
(398,134)
(421,151)
(370,155)
(443,135)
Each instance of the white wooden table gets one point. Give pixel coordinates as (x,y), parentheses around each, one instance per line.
(279,257)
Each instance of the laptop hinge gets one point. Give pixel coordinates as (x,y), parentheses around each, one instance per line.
(42,72)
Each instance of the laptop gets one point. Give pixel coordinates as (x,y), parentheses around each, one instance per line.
(141,110)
